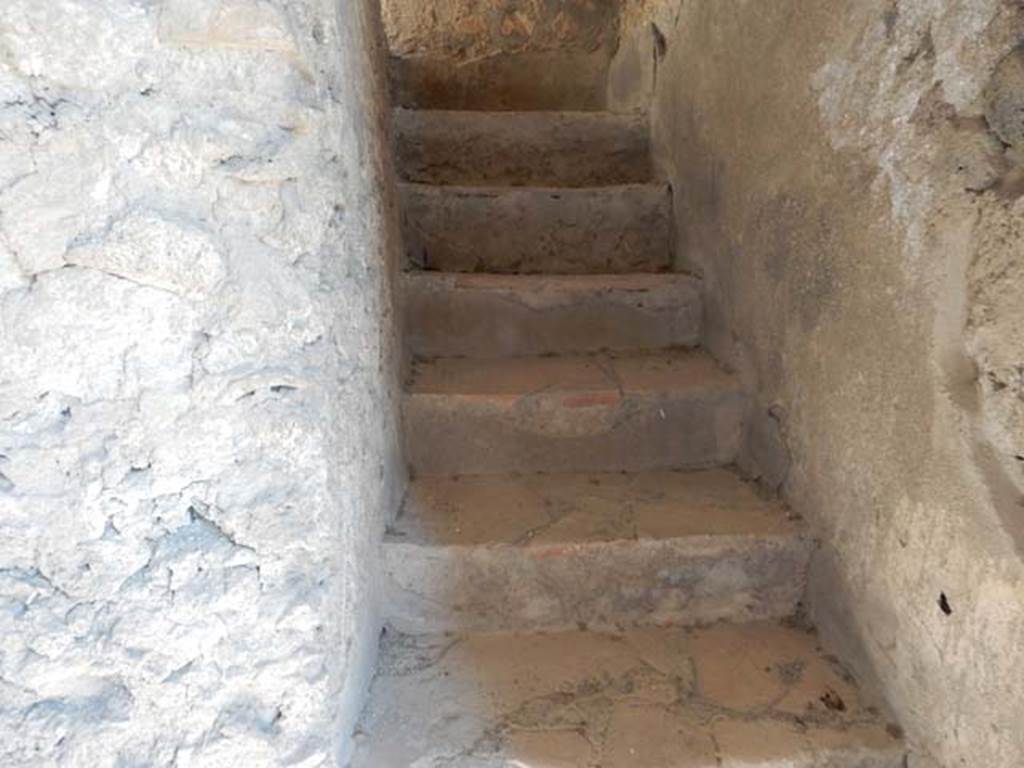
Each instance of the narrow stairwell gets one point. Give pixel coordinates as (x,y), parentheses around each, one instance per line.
(578,577)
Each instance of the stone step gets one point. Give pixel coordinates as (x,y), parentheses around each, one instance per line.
(559,551)
(538,80)
(559,149)
(758,695)
(624,228)
(482,315)
(591,413)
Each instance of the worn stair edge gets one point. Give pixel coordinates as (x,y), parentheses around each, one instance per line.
(595,413)
(758,695)
(565,149)
(692,580)
(613,229)
(518,315)
(557,551)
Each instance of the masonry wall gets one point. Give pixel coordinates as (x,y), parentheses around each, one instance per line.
(847,179)
(197,379)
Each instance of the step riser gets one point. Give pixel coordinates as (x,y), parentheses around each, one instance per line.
(529,81)
(457,316)
(559,586)
(570,432)
(567,231)
(559,150)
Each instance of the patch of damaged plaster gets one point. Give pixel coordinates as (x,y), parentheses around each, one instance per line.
(941,125)
(468,29)
(847,184)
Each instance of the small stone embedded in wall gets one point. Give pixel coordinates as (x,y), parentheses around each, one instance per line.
(979,160)
(1004,99)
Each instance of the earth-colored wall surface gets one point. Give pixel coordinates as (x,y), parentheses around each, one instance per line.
(479,28)
(847,179)
(197,386)
(500,54)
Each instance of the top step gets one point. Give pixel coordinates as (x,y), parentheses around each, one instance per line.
(497,55)
(554,149)
(515,82)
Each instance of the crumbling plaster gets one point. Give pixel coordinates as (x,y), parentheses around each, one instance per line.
(847,182)
(197,380)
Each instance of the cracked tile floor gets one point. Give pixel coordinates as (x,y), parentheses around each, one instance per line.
(727,695)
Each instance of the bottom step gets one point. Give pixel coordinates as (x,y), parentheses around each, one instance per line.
(530,552)
(724,696)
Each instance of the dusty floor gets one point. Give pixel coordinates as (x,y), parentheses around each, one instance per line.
(724,696)
(550,509)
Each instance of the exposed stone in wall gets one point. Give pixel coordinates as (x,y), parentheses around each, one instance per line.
(995,279)
(197,421)
(848,182)
(1004,99)
(995,336)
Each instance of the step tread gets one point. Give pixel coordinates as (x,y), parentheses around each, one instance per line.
(512,121)
(555,230)
(528,80)
(521,148)
(551,191)
(759,694)
(542,288)
(544,510)
(550,551)
(494,315)
(620,374)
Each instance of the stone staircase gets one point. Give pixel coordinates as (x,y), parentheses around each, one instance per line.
(578,577)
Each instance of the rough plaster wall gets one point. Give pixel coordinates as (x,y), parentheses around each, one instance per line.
(843,185)
(197,399)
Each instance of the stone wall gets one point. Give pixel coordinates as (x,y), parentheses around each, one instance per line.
(468,29)
(848,182)
(197,379)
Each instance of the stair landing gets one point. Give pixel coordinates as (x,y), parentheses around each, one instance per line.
(724,696)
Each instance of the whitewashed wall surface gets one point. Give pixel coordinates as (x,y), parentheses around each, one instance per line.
(197,421)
